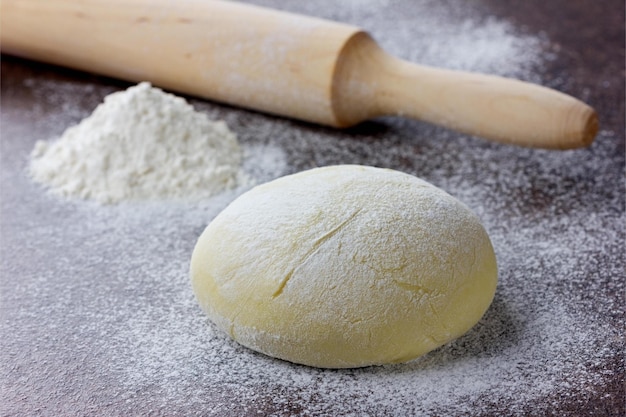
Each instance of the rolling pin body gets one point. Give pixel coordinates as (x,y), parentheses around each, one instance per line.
(285,64)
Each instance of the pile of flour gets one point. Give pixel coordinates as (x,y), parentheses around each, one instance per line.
(546,343)
(140,144)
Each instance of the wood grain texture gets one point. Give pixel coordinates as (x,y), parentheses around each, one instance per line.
(285,64)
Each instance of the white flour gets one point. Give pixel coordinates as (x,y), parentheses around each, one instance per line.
(142,346)
(140,144)
(445,34)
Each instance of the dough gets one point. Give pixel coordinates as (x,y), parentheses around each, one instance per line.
(344,266)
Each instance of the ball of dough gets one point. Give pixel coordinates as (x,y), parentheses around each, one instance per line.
(344,266)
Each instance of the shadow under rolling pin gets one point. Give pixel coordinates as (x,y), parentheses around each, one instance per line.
(285,64)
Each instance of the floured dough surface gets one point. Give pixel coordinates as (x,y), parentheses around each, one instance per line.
(344,266)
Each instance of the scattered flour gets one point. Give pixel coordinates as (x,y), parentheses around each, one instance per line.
(140,144)
(112,328)
(440,33)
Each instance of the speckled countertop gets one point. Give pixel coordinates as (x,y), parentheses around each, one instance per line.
(97,317)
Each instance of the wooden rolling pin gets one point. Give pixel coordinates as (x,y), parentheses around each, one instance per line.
(286,64)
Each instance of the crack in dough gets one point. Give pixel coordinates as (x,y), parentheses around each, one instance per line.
(314,249)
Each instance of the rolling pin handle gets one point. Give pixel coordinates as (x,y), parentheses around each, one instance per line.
(369,82)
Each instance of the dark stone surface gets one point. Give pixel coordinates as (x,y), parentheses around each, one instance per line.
(55,254)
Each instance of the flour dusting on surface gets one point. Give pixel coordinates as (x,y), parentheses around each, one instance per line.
(106,322)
